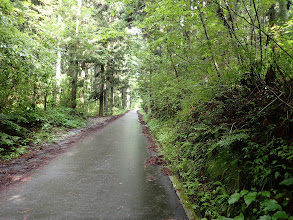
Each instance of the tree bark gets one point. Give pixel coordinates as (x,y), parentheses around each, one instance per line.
(101,96)
(74,84)
(128,99)
(45,102)
(34,98)
(106,97)
(58,73)
(89,88)
(82,91)
(75,62)
(123,98)
(111,100)
(259,32)
(58,64)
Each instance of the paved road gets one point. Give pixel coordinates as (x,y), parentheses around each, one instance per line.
(101,178)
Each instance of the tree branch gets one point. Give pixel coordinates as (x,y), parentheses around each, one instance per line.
(208,38)
(268,36)
(259,27)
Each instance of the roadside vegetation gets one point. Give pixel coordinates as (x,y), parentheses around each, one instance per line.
(60,61)
(216,86)
(233,155)
(22,129)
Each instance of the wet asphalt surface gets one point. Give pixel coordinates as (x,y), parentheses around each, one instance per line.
(102,177)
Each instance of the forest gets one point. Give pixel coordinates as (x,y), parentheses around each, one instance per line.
(61,61)
(213,79)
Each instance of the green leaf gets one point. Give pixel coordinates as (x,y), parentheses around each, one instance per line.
(287,182)
(243,192)
(195,206)
(190,192)
(228,140)
(265,217)
(280,214)
(234,198)
(239,217)
(270,205)
(277,174)
(250,197)
(265,194)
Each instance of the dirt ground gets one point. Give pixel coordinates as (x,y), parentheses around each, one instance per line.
(19,170)
(155,159)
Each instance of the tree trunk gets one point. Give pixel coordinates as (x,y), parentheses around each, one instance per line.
(45,102)
(74,84)
(259,32)
(111,100)
(128,99)
(89,87)
(96,81)
(123,98)
(101,97)
(82,91)
(75,62)
(117,101)
(58,65)
(106,97)
(208,39)
(58,73)
(34,98)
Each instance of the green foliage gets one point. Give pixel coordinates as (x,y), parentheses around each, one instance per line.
(22,127)
(117,111)
(63,117)
(215,79)
(217,149)
(50,57)
(287,182)
(257,205)
(8,140)
(26,60)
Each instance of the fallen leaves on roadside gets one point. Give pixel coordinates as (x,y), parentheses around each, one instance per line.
(166,171)
(153,148)
(150,178)
(21,212)
(154,160)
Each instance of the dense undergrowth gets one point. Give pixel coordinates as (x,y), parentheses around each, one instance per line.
(233,153)
(22,128)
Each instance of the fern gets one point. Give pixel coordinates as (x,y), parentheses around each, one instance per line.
(230,139)
(8,140)
(6,122)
